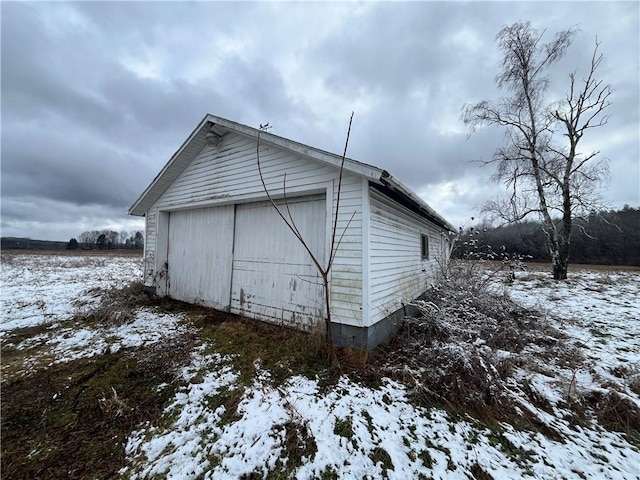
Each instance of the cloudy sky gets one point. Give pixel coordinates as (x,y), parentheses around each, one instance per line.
(96,97)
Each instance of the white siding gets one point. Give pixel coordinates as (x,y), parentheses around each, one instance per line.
(150,248)
(398,272)
(227,174)
(346,272)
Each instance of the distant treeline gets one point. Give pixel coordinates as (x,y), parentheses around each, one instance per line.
(15,243)
(108,240)
(605,238)
(90,240)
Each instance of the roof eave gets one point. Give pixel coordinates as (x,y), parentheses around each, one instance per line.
(389,181)
(370,172)
(142,204)
(137,208)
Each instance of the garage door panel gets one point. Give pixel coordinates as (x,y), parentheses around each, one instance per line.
(199,257)
(273,274)
(291,295)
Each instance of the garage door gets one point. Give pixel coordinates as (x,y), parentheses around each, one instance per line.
(274,277)
(199,257)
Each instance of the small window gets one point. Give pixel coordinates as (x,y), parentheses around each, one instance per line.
(425,246)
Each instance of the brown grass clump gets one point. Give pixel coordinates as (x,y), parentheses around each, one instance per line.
(117,306)
(617,413)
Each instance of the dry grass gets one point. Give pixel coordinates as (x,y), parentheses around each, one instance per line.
(70,420)
(52,259)
(577,267)
(617,413)
(462,351)
(447,354)
(28,348)
(18,358)
(256,345)
(116,307)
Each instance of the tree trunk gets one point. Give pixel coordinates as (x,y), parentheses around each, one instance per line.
(333,359)
(563,238)
(560,267)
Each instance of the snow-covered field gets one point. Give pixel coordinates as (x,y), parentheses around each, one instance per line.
(348,430)
(47,290)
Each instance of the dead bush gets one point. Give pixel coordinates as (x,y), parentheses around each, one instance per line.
(463,376)
(116,307)
(463,347)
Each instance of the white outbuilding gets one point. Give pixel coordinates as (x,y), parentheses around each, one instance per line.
(213,238)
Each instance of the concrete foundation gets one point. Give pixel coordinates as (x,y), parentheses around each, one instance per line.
(368,338)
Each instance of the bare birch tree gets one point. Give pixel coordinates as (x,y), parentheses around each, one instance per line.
(336,237)
(543,170)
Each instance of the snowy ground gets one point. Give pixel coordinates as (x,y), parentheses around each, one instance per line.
(599,311)
(43,289)
(47,290)
(297,428)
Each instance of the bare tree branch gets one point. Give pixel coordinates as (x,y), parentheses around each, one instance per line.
(335,218)
(336,239)
(534,165)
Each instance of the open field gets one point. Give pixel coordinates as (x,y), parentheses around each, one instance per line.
(97,384)
(577,267)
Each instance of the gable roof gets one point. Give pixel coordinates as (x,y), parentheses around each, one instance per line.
(213,126)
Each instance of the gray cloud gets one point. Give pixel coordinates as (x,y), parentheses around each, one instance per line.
(96,96)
